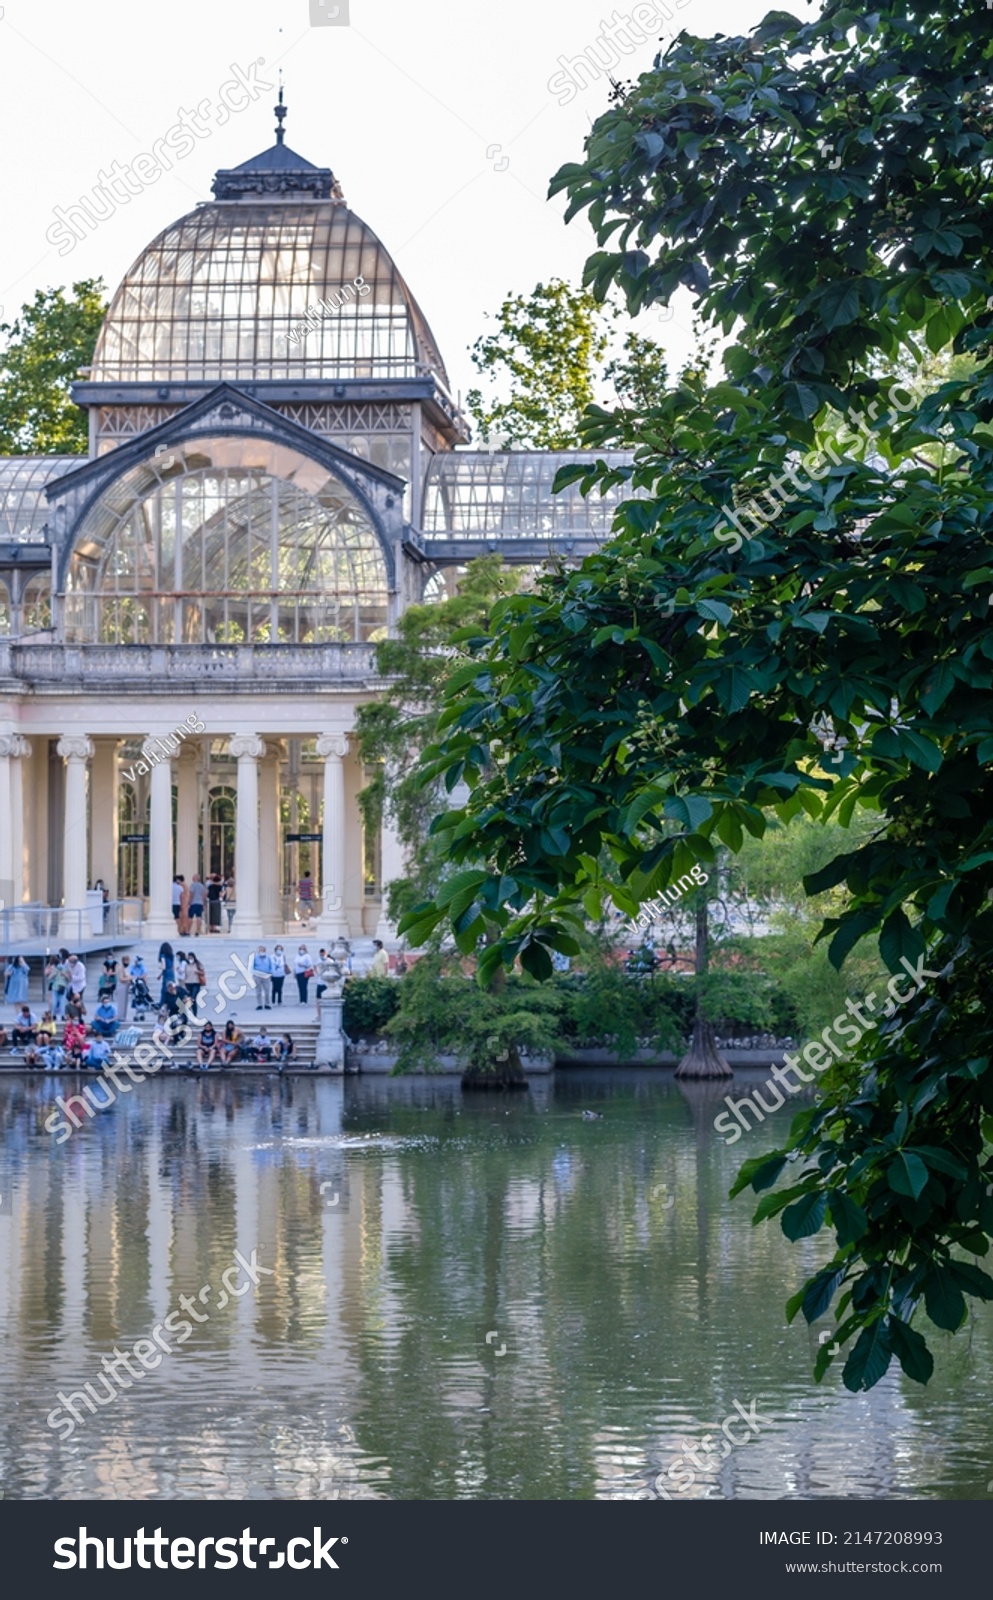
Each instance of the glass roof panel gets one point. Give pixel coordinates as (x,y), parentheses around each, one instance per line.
(23,507)
(470,492)
(266,289)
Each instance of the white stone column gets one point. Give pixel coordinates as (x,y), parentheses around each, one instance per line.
(161,923)
(333,923)
(8,744)
(76,751)
(249,750)
(187,818)
(270,843)
(392,866)
(21,755)
(103,784)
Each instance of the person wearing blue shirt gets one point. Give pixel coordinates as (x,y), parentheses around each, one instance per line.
(105,1020)
(262,973)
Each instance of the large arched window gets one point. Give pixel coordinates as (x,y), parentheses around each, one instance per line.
(227,541)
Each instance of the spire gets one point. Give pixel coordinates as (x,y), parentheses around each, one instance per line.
(280,111)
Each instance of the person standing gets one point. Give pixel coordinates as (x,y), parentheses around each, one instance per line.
(215,894)
(280,971)
(379,967)
(262,973)
(177,898)
(167,970)
(184,908)
(230,902)
(17,976)
(77,978)
(57,975)
(196,977)
(180,978)
(305,895)
(124,987)
(198,894)
(303,971)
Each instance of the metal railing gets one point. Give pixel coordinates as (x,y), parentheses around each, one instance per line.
(43,663)
(116,921)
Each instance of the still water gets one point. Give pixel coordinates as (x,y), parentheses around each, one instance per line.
(464,1297)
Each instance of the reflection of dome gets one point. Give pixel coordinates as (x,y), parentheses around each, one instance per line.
(219,293)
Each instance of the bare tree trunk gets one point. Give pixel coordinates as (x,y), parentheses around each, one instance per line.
(702,1059)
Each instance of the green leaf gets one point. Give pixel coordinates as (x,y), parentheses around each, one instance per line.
(907,1174)
(839,304)
(910,1350)
(848,1219)
(870,1358)
(943,1300)
(805,1217)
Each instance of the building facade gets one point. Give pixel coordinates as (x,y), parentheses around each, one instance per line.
(189,613)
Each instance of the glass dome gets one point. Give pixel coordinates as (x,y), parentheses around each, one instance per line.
(227,540)
(285,288)
(24,509)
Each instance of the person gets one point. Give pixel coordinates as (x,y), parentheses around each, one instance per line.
(167,969)
(184,908)
(77,978)
(74,1038)
(305,895)
(172,1002)
(3,1038)
(47,1056)
(328,972)
(97,1053)
(177,898)
(262,1046)
(284,1050)
(24,1028)
(57,977)
(230,1046)
(180,979)
(162,1032)
(401,966)
(47,1029)
(207,1046)
(215,890)
(107,985)
(280,971)
(303,971)
(379,967)
(196,977)
(198,894)
(230,904)
(262,973)
(125,987)
(16,978)
(105,1019)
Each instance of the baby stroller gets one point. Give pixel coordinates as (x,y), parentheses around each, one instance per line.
(141,999)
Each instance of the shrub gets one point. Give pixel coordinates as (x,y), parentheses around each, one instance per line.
(369,1003)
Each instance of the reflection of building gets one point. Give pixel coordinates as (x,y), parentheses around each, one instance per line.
(272,476)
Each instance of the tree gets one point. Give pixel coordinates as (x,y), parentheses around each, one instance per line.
(823,187)
(49,341)
(547,345)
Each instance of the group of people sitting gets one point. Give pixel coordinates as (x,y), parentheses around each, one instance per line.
(232,1046)
(38,1039)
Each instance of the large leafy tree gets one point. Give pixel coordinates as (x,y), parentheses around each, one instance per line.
(46,344)
(824,187)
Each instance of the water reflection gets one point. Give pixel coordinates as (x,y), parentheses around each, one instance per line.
(470,1296)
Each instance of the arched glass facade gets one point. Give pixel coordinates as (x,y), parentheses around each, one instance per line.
(24,509)
(227,541)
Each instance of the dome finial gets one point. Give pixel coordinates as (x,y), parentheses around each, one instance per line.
(280,111)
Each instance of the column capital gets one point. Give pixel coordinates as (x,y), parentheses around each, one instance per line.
(75,747)
(274,750)
(332,746)
(22,746)
(189,754)
(155,751)
(246,747)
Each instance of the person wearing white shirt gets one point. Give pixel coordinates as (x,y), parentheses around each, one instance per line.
(77,976)
(303,971)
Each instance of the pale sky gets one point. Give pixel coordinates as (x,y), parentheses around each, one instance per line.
(437,120)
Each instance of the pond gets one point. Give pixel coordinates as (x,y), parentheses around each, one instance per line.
(395,1290)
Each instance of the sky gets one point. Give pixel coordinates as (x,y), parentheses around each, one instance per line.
(438,121)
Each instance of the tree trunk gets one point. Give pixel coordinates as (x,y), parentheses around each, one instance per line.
(703,1059)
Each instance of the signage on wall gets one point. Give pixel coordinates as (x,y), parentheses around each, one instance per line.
(304,838)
